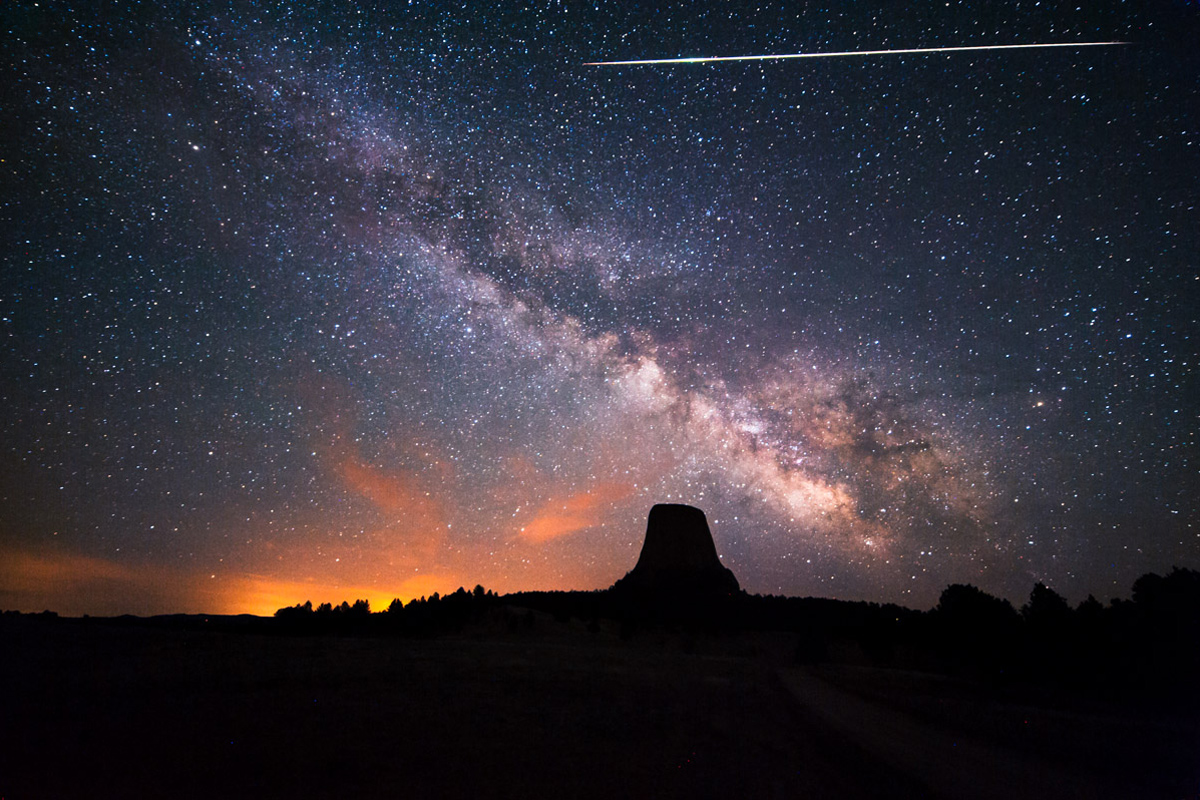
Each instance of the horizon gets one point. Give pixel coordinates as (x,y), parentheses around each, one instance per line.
(382,600)
(377,303)
(267,598)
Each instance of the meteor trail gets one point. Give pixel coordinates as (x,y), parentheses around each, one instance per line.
(910,51)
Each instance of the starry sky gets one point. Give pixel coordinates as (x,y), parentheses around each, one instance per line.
(337,300)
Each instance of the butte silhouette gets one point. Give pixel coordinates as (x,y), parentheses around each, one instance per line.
(678,568)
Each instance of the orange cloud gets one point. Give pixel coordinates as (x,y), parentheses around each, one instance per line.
(413,510)
(28,572)
(562,516)
(393,492)
(74,584)
(407,499)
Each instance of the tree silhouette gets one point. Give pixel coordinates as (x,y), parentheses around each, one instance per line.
(976,630)
(1046,609)
(966,605)
(1164,623)
(296,613)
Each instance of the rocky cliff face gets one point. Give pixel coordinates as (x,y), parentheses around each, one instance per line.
(678,557)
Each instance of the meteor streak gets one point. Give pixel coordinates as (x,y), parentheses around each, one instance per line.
(909,51)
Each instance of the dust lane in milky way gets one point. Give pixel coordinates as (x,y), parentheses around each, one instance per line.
(350,303)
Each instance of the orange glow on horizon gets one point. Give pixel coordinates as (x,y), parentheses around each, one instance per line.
(74,585)
(263,596)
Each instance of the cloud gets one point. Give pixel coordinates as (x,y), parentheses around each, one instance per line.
(406,501)
(397,493)
(73,584)
(564,515)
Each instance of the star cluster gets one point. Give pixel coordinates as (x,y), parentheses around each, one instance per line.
(335,301)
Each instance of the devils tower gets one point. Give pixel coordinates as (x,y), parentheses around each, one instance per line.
(678,558)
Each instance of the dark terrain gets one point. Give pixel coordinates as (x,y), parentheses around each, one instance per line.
(101,710)
(153,708)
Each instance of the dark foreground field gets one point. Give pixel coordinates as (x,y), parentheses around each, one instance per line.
(93,709)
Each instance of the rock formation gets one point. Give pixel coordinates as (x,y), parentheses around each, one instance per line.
(678,558)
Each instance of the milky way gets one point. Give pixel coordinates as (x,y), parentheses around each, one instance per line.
(309,304)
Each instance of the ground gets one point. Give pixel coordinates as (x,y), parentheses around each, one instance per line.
(102,710)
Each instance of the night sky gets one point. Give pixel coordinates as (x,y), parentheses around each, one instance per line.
(347,300)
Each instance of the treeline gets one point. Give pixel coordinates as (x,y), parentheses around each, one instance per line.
(1151,640)
(1150,643)
(435,614)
